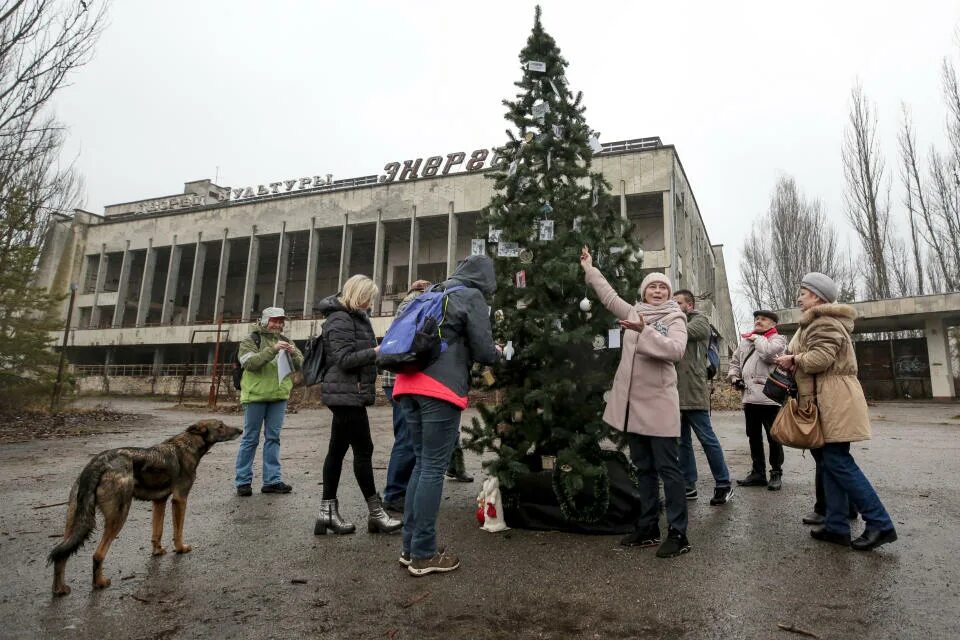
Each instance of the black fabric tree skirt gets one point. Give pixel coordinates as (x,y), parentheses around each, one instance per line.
(532,503)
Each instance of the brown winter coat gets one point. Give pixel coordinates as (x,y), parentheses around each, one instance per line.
(824,352)
(646,379)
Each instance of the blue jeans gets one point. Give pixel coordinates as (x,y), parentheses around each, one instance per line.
(402,458)
(699,422)
(844,482)
(434,426)
(270,416)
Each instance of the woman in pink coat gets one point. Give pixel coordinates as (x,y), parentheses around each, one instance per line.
(644,402)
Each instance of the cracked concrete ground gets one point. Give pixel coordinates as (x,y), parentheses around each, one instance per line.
(257,571)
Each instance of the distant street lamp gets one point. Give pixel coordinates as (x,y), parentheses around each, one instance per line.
(55,400)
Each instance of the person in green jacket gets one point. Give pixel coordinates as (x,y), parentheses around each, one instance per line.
(264,398)
(695,406)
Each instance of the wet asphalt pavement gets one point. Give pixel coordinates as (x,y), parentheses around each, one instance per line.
(257,570)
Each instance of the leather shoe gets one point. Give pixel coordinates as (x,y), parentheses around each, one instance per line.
(813,518)
(873,538)
(825,535)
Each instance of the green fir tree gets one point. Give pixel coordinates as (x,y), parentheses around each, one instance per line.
(548,203)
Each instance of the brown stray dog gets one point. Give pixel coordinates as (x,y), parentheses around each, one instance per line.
(113,478)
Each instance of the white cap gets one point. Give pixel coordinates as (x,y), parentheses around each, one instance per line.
(272,312)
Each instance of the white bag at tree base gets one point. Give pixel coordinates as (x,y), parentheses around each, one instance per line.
(489,507)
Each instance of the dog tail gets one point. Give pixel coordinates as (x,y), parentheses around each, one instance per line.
(81,512)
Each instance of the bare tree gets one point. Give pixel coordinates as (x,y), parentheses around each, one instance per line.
(916,201)
(41,43)
(793,238)
(867,209)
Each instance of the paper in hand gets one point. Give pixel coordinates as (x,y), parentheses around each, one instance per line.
(283,366)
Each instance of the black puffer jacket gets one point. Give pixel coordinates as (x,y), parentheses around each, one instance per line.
(348,341)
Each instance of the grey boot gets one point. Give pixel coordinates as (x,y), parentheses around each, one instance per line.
(379,521)
(329,518)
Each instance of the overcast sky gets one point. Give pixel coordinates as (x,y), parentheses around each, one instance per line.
(261,91)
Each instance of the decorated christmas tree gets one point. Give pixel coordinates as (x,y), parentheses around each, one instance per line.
(560,343)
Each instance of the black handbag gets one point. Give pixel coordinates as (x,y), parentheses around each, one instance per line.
(780,385)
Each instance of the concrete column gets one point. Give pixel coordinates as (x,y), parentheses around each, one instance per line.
(157,360)
(250,284)
(452,229)
(196,279)
(310,288)
(346,243)
(623,200)
(98,287)
(668,239)
(283,260)
(938,353)
(222,277)
(379,251)
(414,249)
(123,287)
(146,283)
(170,288)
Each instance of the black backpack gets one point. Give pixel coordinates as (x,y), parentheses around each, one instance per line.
(237,373)
(314,360)
(713,354)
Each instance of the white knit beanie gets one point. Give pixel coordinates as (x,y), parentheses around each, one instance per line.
(655,277)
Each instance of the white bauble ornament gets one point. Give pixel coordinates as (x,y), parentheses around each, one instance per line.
(585,304)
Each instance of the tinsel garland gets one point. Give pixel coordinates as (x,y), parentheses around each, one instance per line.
(596,508)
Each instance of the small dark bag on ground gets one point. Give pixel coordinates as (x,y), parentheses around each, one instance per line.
(780,385)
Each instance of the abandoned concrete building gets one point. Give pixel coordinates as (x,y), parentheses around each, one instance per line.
(162,280)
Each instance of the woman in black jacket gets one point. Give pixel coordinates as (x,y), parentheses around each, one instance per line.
(349,387)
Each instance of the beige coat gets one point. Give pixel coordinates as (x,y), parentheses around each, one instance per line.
(760,355)
(824,351)
(646,379)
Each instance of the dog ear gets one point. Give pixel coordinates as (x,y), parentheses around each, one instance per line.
(199,428)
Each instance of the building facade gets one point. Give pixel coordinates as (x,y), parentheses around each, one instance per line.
(157,277)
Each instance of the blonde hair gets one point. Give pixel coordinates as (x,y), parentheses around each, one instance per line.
(358,292)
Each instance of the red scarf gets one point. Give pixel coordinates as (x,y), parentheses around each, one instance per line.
(771,332)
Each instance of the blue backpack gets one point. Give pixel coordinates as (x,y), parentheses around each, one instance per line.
(415,340)
(713,354)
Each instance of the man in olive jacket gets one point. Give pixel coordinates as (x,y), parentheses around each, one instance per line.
(694,391)
(264,398)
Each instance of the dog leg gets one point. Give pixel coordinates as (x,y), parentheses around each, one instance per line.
(60,587)
(179,511)
(159,510)
(113,522)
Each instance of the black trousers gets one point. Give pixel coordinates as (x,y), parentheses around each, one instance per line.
(350,428)
(821,504)
(655,456)
(760,419)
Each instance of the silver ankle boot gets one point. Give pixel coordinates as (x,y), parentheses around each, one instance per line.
(379,521)
(329,518)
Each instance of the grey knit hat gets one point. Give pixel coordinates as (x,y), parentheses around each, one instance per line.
(820,285)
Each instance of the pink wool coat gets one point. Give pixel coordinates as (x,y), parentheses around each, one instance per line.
(646,380)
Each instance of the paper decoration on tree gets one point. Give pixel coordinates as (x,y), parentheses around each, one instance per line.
(540,109)
(493,235)
(549,159)
(508,352)
(536,65)
(595,145)
(508,249)
(599,343)
(546,230)
(558,324)
(578,224)
(478,247)
(546,209)
(613,339)
(554,87)
(526,256)
(512,171)
(528,137)
(596,194)
(557,131)
(520,279)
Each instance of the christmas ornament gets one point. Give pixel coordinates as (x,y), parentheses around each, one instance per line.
(577,224)
(546,209)
(557,324)
(512,170)
(585,304)
(493,235)
(528,137)
(520,278)
(487,512)
(498,316)
(536,65)
(595,145)
(566,468)
(557,131)
(548,463)
(526,256)
(508,249)
(487,376)
(546,230)
(599,342)
(508,350)
(606,396)
(478,247)
(540,109)
(556,91)
(549,159)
